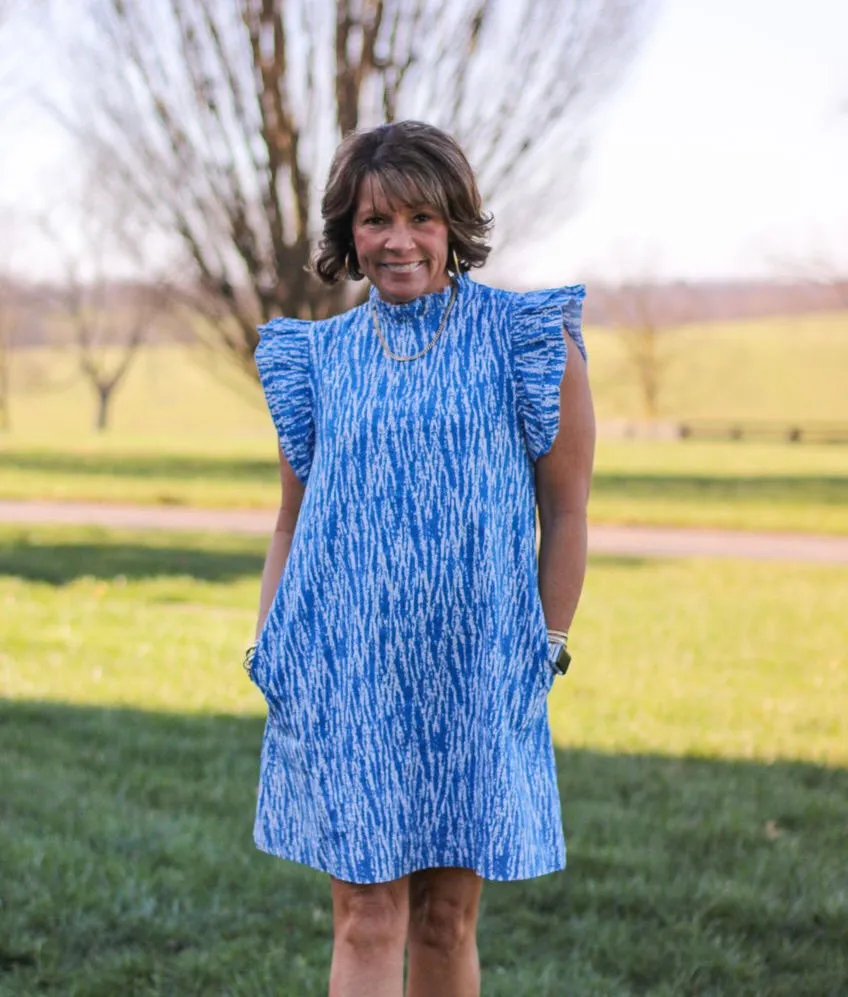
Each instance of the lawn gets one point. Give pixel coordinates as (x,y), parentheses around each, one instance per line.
(786,368)
(747,486)
(701,750)
(732,485)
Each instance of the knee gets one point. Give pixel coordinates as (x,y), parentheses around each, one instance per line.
(444,924)
(371,920)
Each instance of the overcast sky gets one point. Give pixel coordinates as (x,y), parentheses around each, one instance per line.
(724,154)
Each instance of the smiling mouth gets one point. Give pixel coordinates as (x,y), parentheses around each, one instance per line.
(403,267)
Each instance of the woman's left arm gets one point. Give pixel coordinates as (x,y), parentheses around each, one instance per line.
(563,478)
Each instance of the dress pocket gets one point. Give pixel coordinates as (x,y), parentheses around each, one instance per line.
(278,673)
(538,678)
(256,664)
(544,672)
(266,665)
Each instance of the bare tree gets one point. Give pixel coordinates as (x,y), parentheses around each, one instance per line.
(7,320)
(24,321)
(109,323)
(818,274)
(822,265)
(10,311)
(824,272)
(105,318)
(644,315)
(218,117)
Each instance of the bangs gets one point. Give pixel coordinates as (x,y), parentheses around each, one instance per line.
(407,165)
(409,186)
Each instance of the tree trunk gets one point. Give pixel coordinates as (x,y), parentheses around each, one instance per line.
(5,418)
(5,380)
(104,399)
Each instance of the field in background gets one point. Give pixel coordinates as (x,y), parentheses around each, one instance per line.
(785,369)
(701,754)
(790,369)
(190,433)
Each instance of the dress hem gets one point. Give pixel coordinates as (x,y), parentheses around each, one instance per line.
(301,859)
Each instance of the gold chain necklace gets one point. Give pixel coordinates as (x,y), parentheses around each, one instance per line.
(430,345)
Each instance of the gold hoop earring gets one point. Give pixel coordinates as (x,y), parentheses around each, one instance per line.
(456,267)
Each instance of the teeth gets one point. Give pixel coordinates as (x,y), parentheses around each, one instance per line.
(403,267)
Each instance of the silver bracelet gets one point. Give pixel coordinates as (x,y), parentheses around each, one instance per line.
(249,655)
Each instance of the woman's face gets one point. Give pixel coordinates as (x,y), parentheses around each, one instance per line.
(402,249)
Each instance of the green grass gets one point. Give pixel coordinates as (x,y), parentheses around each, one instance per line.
(783,368)
(730,485)
(786,369)
(701,753)
(187,431)
(733,485)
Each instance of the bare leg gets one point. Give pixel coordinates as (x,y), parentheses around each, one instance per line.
(369,933)
(443,960)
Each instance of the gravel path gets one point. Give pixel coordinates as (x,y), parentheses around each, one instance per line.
(627,541)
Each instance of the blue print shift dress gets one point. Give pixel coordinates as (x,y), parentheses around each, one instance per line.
(403,660)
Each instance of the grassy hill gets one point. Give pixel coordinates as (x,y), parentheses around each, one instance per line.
(786,369)
(186,431)
(792,368)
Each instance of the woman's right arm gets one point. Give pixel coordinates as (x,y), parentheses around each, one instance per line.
(278,550)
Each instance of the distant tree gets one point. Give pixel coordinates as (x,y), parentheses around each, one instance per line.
(106,320)
(818,272)
(7,320)
(217,118)
(644,314)
(833,278)
(10,311)
(108,325)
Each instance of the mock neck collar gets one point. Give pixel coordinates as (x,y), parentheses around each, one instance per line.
(420,307)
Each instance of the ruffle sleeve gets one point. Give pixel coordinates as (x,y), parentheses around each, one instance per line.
(282,360)
(539,355)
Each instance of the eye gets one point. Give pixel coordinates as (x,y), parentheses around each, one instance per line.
(373,220)
(423,216)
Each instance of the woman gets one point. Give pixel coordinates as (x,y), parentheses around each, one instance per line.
(408,637)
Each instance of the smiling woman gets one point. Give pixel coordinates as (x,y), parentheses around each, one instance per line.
(402,249)
(397,191)
(407,636)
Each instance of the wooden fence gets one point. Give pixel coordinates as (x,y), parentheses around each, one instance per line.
(742,429)
(798,431)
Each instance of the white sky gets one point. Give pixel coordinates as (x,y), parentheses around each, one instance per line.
(724,154)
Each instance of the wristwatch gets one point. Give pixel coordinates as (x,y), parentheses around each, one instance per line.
(558,657)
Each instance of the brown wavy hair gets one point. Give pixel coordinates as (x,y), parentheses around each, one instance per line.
(413,163)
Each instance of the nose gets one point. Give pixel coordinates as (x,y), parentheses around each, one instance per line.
(399,238)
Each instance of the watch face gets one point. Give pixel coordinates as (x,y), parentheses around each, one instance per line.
(562,660)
